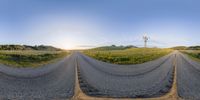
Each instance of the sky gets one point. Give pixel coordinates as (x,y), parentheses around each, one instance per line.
(81,24)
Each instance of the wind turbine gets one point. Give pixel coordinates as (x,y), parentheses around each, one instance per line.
(145,38)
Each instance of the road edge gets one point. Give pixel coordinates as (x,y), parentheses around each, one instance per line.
(171,95)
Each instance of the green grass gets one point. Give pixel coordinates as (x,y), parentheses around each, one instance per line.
(30,58)
(193,54)
(128,56)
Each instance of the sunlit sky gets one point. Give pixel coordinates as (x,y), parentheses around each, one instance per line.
(79,24)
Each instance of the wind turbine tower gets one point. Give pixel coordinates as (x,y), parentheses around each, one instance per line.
(145,38)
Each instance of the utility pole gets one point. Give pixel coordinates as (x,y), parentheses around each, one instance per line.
(145,38)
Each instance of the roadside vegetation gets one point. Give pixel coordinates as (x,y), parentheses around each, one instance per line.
(28,56)
(194,54)
(186,48)
(127,56)
(27,47)
(192,51)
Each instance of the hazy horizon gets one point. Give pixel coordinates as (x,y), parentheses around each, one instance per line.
(76,24)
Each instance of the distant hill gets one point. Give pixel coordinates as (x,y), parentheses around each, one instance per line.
(186,48)
(114,47)
(27,47)
(194,48)
(180,48)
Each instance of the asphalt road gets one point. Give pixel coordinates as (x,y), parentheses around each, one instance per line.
(100,79)
(151,79)
(53,81)
(188,78)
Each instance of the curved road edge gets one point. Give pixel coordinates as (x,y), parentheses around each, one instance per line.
(31,72)
(172,95)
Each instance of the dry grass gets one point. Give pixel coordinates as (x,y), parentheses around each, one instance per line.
(30,58)
(128,56)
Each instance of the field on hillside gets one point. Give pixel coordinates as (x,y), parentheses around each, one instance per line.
(29,58)
(128,56)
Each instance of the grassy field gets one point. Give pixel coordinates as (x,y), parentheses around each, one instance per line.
(128,56)
(194,54)
(29,58)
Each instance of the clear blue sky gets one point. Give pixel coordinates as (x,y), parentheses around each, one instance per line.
(73,24)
